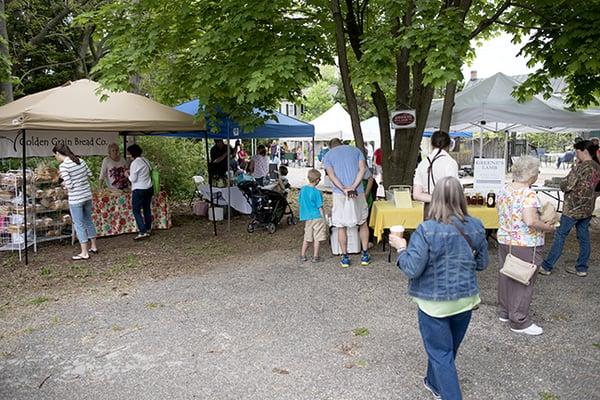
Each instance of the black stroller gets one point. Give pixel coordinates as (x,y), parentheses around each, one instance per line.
(268,207)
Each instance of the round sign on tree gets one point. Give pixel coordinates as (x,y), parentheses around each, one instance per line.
(403,119)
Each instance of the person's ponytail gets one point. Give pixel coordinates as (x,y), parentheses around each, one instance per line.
(63,149)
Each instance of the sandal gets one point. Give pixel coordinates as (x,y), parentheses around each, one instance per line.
(79,258)
(93,251)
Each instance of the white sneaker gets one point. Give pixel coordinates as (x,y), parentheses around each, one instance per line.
(532,330)
(503,319)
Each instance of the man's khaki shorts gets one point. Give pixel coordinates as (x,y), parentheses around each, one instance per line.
(315,230)
(340,216)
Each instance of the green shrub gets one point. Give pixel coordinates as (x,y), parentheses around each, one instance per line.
(177,160)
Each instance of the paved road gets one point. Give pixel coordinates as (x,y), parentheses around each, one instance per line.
(272,328)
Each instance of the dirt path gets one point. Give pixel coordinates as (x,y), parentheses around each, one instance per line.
(186,315)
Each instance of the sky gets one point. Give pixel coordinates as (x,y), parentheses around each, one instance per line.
(497,55)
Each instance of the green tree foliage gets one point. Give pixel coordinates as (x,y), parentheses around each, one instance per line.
(403,50)
(45,50)
(563,38)
(177,160)
(231,54)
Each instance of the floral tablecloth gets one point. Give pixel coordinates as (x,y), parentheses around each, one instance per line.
(112,213)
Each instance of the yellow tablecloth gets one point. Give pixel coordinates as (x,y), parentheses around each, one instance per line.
(488,216)
(384,214)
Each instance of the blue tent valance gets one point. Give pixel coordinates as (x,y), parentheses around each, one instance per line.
(453,134)
(285,126)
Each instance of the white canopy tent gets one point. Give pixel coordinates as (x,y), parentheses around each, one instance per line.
(333,123)
(491,100)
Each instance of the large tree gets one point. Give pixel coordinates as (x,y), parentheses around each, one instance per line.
(233,55)
(421,46)
(39,47)
(562,39)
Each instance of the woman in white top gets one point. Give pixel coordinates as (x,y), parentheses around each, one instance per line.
(434,167)
(259,165)
(142,191)
(75,173)
(113,169)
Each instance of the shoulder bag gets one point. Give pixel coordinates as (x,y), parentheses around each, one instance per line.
(154,177)
(517,269)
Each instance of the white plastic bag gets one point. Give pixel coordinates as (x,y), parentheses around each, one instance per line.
(350,212)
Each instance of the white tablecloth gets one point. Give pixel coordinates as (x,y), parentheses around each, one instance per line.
(238,201)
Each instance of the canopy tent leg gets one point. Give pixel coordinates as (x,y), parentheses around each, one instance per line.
(24,193)
(125,145)
(313,152)
(210,183)
(228,181)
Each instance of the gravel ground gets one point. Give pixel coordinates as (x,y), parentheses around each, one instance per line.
(184,315)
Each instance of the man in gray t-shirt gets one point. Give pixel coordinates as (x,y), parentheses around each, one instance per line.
(346,166)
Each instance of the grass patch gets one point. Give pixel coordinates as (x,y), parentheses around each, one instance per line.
(55,320)
(39,300)
(6,354)
(28,331)
(10,261)
(360,332)
(596,345)
(45,271)
(548,396)
(211,249)
(80,271)
(154,306)
(117,328)
(129,262)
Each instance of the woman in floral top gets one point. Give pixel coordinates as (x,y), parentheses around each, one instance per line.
(521,233)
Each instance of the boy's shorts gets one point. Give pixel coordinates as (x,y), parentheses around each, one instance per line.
(315,230)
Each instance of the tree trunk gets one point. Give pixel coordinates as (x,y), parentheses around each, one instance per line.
(340,41)
(6,87)
(446,119)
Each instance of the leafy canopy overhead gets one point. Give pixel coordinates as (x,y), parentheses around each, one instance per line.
(564,39)
(234,55)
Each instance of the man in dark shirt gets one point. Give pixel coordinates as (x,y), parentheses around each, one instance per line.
(218,159)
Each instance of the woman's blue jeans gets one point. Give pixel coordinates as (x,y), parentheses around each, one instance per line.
(141,201)
(583,235)
(81,214)
(441,338)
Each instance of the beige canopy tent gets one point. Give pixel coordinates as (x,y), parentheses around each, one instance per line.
(78,106)
(81,109)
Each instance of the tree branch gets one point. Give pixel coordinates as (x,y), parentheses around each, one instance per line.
(483,25)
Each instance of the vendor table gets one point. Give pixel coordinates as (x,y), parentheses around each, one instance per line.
(238,201)
(384,215)
(112,212)
(221,195)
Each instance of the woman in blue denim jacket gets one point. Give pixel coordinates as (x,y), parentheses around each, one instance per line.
(440,262)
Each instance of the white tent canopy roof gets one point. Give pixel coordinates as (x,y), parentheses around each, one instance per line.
(333,123)
(490,100)
(76,106)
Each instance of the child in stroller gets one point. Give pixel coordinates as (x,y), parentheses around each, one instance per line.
(268,207)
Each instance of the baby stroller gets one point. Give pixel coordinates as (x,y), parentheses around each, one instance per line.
(268,207)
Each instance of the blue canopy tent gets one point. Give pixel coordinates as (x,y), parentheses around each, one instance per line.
(282,127)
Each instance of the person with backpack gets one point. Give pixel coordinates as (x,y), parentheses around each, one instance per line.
(141,191)
(434,167)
